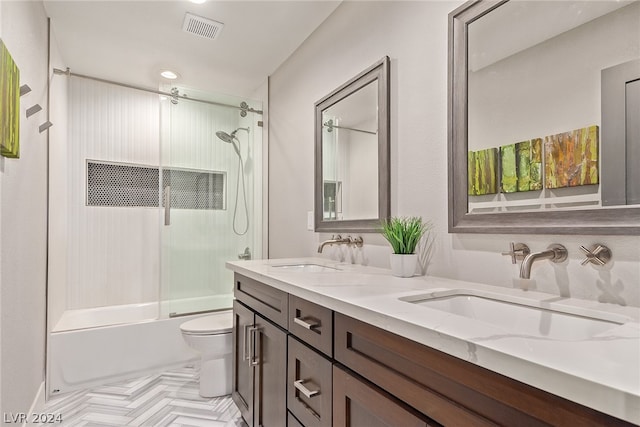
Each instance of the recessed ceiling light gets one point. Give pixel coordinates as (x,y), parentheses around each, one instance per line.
(197,1)
(168,74)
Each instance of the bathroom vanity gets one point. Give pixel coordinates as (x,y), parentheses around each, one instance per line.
(319,343)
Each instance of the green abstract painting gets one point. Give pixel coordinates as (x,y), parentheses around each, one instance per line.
(482,172)
(571,158)
(9,105)
(521,166)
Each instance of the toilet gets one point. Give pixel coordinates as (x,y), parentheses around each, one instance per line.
(211,337)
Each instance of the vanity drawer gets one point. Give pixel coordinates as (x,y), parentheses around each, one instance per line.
(449,390)
(292,421)
(312,323)
(357,403)
(269,302)
(309,385)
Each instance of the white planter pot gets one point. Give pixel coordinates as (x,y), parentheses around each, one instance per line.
(404,265)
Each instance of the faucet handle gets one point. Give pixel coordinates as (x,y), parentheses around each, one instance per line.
(518,252)
(356,241)
(598,254)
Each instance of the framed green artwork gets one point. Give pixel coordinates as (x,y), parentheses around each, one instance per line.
(483,172)
(521,166)
(9,104)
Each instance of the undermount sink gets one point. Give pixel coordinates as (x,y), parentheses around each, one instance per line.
(536,319)
(308,268)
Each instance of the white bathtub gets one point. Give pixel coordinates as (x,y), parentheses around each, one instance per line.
(100,345)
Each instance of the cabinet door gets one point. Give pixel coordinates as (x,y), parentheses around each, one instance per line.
(357,404)
(242,379)
(270,381)
(309,385)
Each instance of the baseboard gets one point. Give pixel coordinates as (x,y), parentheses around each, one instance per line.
(37,407)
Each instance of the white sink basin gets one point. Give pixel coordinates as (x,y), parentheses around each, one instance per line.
(536,319)
(308,268)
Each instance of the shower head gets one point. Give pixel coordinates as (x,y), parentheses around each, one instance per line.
(229,138)
(226,137)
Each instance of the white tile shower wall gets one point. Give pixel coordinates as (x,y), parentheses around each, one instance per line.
(23,210)
(113,254)
(349,41)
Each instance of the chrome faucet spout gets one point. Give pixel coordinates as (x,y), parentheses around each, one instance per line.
(556,253)
(334,239)
(339,240)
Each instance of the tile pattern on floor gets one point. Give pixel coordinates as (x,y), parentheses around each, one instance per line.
(169,399)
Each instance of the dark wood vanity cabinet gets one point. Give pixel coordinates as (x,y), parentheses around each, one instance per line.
(300,364)
(449,390)
(259,354)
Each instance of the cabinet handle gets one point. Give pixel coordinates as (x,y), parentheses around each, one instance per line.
(302,389)
(304,324)
(253,359)
(245,355)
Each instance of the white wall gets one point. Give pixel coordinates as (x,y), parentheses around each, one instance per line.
(23,210)
(414,36)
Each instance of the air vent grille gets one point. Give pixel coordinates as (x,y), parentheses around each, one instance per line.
(203,27)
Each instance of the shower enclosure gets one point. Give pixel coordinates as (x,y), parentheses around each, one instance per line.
(146,206)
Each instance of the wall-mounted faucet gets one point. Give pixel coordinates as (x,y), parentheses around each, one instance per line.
(555,253)
(339,240)
(246,255)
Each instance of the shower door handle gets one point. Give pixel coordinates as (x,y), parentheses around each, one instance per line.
(167,205)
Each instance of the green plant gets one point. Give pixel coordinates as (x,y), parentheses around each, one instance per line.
(404,233)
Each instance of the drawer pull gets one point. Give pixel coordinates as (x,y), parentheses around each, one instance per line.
(304,324)
(302,389)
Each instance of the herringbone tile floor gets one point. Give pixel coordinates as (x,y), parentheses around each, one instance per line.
(169,399)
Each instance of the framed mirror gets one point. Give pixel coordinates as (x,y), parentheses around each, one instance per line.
(543,104)
(352,176)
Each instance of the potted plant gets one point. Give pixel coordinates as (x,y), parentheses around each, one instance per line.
(404,234)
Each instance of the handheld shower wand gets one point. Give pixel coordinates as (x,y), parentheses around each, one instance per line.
(231,139)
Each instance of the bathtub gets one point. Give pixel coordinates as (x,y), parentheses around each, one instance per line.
(90,347)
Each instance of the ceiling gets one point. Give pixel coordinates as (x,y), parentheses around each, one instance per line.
(132,41)
(528,23)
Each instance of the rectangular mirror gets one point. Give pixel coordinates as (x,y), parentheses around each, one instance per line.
(352,177)
(538,98)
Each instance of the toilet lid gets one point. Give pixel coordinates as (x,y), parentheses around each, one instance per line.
(219,323)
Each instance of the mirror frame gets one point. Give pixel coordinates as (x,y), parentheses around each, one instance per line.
(601,221)
(380,72)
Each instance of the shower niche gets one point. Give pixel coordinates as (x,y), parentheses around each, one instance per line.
(111,184)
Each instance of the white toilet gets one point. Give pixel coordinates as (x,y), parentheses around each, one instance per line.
(211,337)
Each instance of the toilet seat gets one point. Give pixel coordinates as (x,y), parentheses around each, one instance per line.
(216,324)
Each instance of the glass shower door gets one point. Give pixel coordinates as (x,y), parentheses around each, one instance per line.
(211,199)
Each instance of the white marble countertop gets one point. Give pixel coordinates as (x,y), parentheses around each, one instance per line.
(601,372)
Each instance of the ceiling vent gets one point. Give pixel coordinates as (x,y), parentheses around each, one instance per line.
(203,27)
